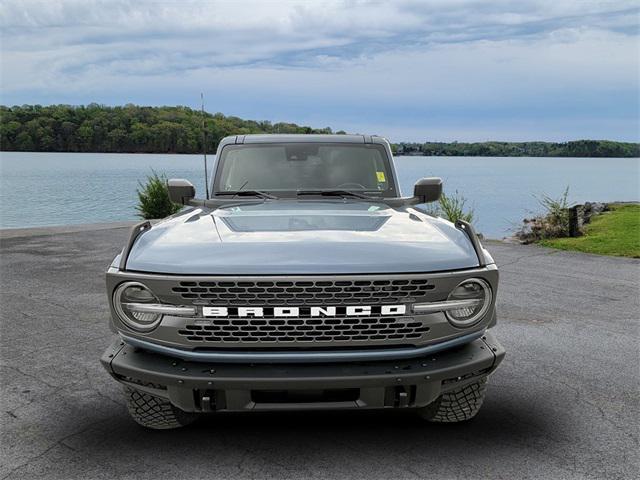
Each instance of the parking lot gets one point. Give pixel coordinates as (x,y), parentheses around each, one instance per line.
(564,403)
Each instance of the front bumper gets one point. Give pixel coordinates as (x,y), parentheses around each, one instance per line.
(204,387)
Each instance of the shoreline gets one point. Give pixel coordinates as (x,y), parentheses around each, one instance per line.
(44,230)
(89,228)
(213,154)
(7,233)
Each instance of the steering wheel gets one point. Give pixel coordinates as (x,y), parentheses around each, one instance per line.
(348,185)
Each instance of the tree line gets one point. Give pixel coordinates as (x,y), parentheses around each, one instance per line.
(138,129)
(578,148)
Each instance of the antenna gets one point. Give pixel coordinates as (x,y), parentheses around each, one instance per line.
(204,146)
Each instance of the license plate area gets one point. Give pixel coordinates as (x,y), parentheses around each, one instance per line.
(305,396)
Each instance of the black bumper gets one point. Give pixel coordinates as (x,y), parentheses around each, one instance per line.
(202,387)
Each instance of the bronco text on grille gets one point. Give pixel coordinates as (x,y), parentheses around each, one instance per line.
(313,324)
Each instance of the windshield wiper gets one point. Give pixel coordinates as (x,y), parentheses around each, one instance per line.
(333,193)
(252,193)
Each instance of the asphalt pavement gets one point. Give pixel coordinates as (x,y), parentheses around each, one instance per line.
(563,404)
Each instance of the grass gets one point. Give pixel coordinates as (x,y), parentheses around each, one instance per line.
(616,232)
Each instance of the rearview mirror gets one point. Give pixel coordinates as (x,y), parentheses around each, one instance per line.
(428,189)
(181,191)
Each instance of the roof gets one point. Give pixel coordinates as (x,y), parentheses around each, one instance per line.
(302,138)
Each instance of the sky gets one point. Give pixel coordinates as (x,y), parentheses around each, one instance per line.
(432,70)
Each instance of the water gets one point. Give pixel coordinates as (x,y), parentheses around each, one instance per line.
(38,189)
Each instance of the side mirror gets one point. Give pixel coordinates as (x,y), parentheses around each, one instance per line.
(428,189)
(181,191)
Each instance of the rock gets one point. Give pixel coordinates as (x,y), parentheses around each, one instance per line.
(548,226)
(590,209)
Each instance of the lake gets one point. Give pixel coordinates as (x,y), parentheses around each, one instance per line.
(38,189)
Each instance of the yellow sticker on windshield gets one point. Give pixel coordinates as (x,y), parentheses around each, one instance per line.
(381,177)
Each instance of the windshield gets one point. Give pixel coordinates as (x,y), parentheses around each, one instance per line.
(294,167)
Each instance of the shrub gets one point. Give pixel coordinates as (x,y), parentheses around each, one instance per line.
(552,223)
(452,208)
(556,213)
(153,198)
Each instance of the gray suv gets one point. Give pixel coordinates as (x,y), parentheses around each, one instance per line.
(305,281)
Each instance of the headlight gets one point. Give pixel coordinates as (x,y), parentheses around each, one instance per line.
(130,300)
(475,296)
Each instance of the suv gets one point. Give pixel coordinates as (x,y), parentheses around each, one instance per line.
(306,281)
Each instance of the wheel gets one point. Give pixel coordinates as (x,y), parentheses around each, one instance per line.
(154,412)
(456,405)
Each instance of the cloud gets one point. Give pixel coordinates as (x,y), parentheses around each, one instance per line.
(452,67)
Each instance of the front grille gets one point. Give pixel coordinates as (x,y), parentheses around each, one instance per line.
(304,330)
(325,292)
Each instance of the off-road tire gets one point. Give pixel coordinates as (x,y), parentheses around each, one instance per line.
(456,405)
(154,412)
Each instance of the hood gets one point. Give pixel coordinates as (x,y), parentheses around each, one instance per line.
(301,237)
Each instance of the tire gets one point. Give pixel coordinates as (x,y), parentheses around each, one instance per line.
(156,413)
(456,405)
